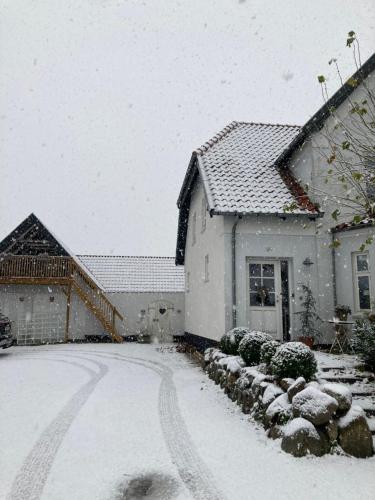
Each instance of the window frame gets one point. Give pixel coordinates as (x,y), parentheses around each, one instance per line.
(356,275)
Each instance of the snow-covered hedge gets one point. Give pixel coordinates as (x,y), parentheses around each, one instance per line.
(294,359)
(268,350)
(231,340)
(250,345)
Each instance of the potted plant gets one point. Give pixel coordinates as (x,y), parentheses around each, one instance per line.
(342,312)
(308,317)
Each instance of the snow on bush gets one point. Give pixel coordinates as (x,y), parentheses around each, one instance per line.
(267,351)
(249,348)
(363,341)
(230,341)
(294,360)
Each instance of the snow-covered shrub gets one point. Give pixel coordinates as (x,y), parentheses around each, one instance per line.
(294,360)
(363,341)
(250,345)
(267,351)
(231,340)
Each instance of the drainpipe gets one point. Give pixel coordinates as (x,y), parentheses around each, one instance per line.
(234,284)
(334,285)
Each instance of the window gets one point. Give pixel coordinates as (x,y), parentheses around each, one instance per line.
(362,281)
(206,271)
(262,284)
(194,229)
(203,215)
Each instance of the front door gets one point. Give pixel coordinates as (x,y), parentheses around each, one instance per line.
(264,304)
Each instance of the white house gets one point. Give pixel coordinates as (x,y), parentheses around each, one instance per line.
(52,295)
(245,256)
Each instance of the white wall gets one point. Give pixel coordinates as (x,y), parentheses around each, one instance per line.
(130,306)
(350,242)
(292,239)
(204,300)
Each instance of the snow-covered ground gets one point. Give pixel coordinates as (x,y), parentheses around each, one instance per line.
(81,422)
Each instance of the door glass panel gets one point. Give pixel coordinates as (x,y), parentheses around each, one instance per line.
(362,262)
(255,299)
(269,284)
(255,283)
(364,292)
(262,285)
(255,269)
(269,300)
(268,270)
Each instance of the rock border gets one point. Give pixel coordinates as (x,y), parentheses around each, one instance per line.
(309,418)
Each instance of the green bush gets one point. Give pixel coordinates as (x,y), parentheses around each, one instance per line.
(231,340)
(363,341)
(267,351)
(293,360)
(250,345)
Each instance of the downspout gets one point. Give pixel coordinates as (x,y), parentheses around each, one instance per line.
(334,284)
(234,281)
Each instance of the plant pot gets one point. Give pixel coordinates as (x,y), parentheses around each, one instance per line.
(309,341)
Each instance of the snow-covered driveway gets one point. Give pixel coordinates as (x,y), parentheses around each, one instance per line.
(80,422)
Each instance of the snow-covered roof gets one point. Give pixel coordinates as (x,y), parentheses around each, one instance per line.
(135,274)
(238,173)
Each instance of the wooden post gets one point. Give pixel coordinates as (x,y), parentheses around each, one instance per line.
(68,298)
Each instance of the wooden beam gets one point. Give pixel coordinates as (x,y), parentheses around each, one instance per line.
(67,320)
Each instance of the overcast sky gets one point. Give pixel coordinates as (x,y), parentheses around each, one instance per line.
(102,102)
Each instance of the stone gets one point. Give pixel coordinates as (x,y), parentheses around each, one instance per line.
(314,405)
(218,375)
(247,401)
(300,438)
(275,431)
(285,383)
(270,394)
(341,393)
(255,386)
(354,434)
(279,411)
(331,430)
(296,387)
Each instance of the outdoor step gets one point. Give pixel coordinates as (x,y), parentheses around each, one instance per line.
(345,379)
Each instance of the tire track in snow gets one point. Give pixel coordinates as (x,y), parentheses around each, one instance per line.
(31,478)
(192,470)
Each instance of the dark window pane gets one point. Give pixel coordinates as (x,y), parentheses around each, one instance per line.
(269,284)
(255,299)
(254,284)
(364,292)
(362,262)
(254,269)
(269,300)
(268,270)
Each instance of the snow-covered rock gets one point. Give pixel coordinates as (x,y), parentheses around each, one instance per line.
(234,364)
(314,405)
(301,438)
(256,385)
(285,383)
(271,392)
(341,393)
(354,434)
(296,387)
(279,411)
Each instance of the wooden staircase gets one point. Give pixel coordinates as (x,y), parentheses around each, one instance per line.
(64,271)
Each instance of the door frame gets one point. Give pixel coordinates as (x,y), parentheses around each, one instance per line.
(281,334)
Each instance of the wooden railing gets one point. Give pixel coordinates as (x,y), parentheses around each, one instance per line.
(27,269)
(28,266)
